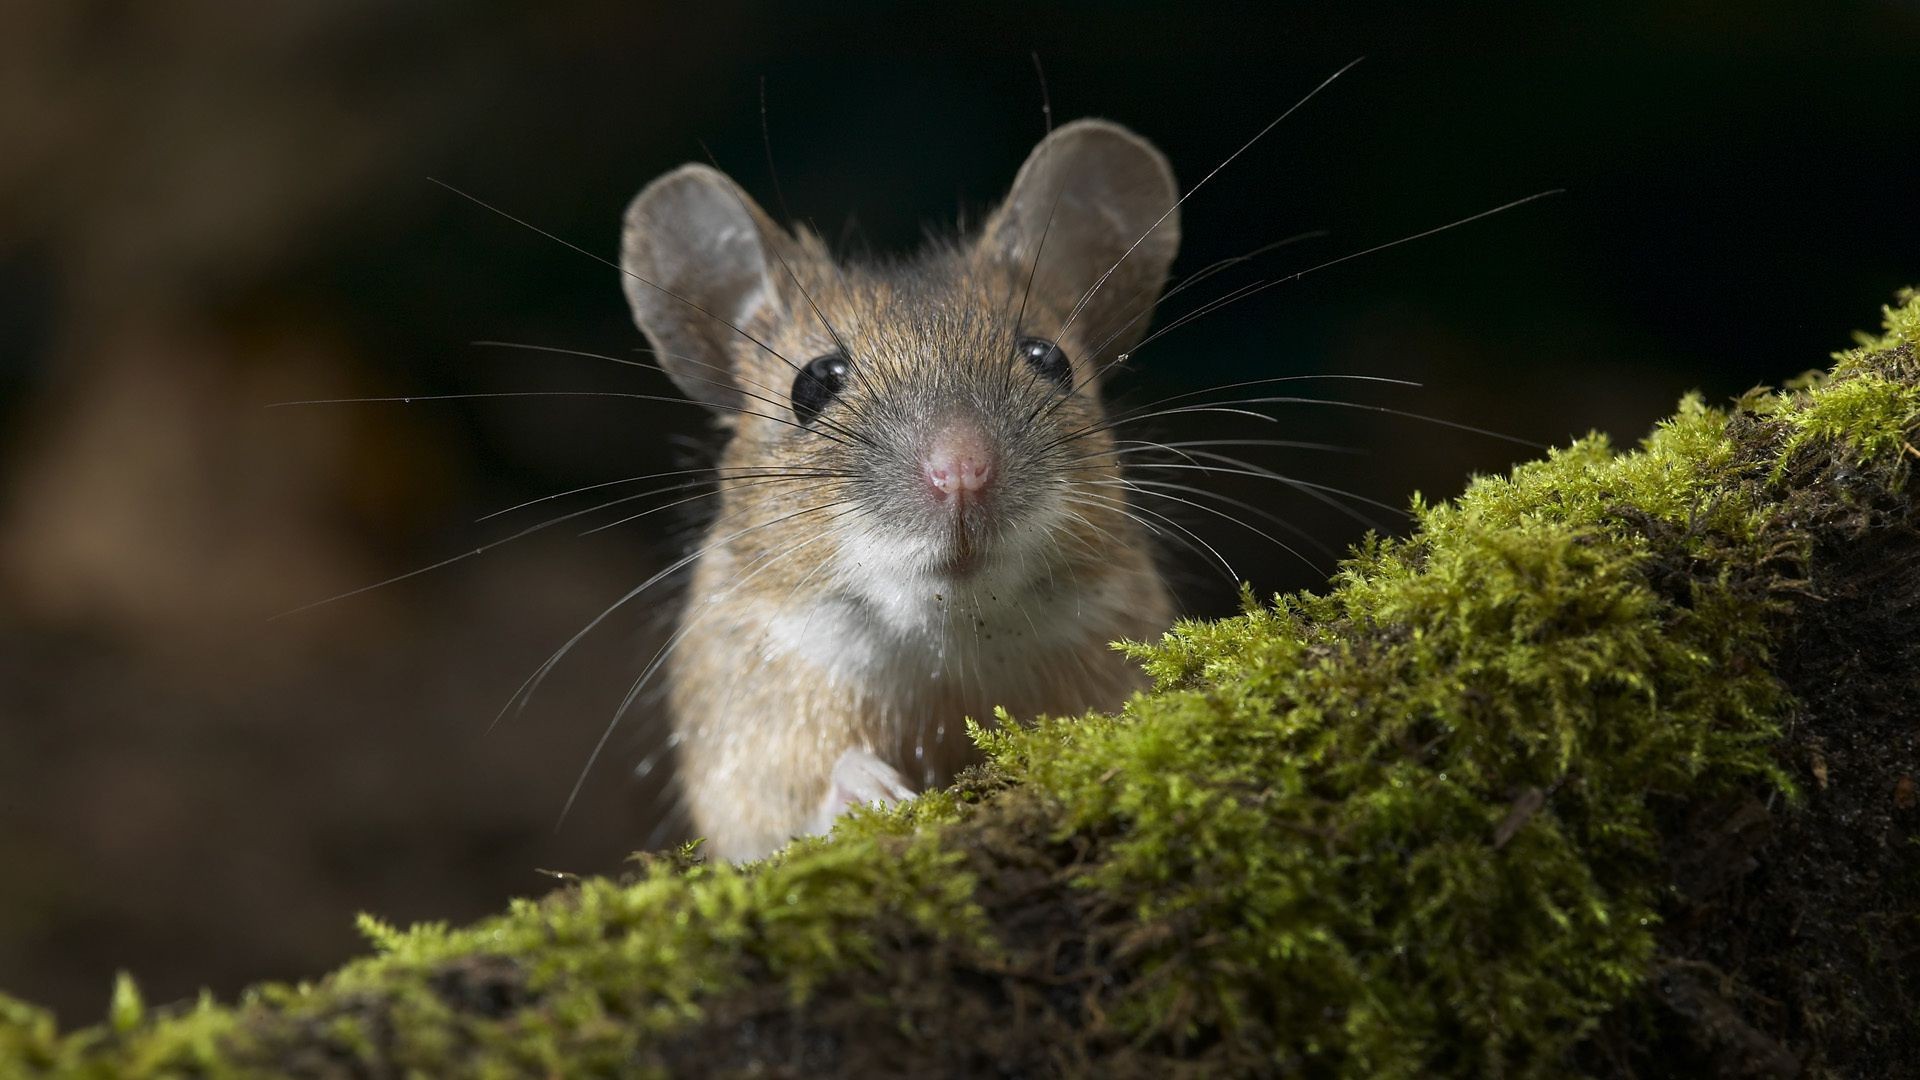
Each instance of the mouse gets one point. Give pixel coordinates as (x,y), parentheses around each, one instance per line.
(921,511)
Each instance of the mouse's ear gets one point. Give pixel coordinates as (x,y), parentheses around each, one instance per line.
(1105,201)
(695,258)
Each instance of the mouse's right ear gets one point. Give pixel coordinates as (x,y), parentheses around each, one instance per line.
(695,260)
(1093,220)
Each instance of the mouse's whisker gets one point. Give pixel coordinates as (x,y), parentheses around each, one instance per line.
(1162,489)
(712,475)
(1040,249)
(1145,310)
(1200,311)
(647,764)
(658,760)
(409,399)
(780,401)
(1239,407)
(1124,454)
(463,556)
(541,526)
(653,666)
(663,290)
(1279,444)
(1323,493)
(1145,411)
(725,378)
(517,701)
(1086,522)
(1110,467)
(1087,298)
(1114,458)
(1112,508)
(676,819)
(766,142)
(1216,409)
(1242,292)
(1130,509)
(1367,407)
(691,498)
(1122,358)
(793,278)
(1204,273)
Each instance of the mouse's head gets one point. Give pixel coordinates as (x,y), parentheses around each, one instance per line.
(947,405)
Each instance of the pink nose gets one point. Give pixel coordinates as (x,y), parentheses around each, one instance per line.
(959,464)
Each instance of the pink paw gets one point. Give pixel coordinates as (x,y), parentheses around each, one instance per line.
(859,778)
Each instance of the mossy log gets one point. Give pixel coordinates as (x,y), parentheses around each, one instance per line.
(1608,769)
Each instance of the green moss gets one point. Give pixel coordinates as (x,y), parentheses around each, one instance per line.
(1899,325)
(1330,791)
(1867,414)
(1409,825)
(126,1009)
(1868,404)
(28,1037)
(608,962)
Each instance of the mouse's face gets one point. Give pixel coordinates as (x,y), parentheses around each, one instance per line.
(943,414)
(967,435)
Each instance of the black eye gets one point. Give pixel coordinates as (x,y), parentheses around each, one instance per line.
(817,384)
(1046,358)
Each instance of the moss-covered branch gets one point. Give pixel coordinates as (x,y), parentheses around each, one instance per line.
(1608,769)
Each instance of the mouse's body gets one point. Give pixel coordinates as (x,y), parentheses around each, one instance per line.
(921,515)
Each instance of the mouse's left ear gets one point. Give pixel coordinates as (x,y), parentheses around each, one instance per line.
(1105,201)
(697,259)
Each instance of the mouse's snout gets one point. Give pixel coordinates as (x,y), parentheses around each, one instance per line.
(959,463)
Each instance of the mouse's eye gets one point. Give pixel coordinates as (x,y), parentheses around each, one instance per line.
(817,384)
(1048,360)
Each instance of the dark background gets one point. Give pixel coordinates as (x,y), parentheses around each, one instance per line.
(206,208)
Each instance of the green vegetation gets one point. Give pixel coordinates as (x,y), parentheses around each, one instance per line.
(1435,820)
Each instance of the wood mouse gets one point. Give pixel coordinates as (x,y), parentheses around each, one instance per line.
(921,514)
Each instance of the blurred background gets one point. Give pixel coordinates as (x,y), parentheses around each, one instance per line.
(207,208)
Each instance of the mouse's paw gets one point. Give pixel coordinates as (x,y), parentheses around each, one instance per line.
(859,779)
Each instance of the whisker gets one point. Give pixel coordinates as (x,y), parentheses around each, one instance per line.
(1129,508)
(408,399)
(1046,101)
(1302,534)
(1154,488)
(1191,281)
(1138,411)
(774,250)
(517,701)
(1304,486)
(659,658)
(1040,249)
(727,587)
(1282,444)
(714,476)
(731,379)
(482,549)
(1199,312)
(1098,284)
(616,266)
(1228,407)
(1116,506)
(766,141)
(1264,286)
(1231,261)
(1404,414)
(655,509)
